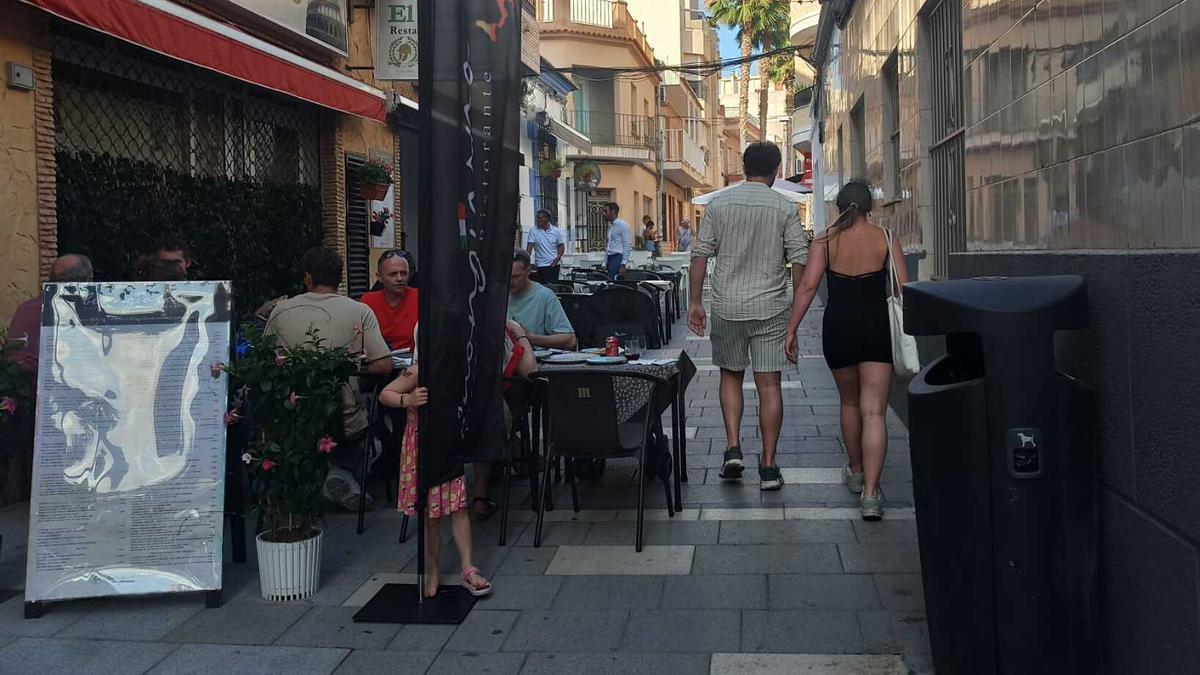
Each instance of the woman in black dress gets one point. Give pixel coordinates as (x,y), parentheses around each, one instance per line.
(853,256)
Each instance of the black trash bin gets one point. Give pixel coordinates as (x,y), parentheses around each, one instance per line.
(1004,478)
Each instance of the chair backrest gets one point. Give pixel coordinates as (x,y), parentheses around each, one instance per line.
(583,410)
(640,275)
(581,312)
(638,258)
(560,289)
(628,310)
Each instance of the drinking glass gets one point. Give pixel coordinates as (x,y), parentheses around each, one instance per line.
(634,346)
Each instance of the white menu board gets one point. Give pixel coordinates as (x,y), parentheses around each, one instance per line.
(129,458)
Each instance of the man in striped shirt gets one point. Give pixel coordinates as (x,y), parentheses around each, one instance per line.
(754,233)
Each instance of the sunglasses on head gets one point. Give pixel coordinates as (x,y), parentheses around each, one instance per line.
(388,255)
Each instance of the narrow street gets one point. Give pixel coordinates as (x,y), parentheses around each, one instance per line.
(740,581)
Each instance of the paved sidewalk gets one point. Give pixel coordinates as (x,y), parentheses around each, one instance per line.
(740,582)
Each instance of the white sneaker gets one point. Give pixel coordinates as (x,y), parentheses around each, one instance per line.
(341,489)
(871,506)
(853,481)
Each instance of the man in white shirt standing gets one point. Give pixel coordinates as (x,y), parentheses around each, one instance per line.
(546,245)
(620,242)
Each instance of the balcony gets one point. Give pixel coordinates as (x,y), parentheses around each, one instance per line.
(601,18)
(802,122)
(684,160)
(616,136)
(804,16)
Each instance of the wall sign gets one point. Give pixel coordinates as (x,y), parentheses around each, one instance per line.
(396,40)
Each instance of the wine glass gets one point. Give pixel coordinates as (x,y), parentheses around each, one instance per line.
(634,345)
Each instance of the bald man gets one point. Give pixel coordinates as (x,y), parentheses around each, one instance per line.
(27,320)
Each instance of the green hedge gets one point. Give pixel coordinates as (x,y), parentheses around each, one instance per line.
(113,210)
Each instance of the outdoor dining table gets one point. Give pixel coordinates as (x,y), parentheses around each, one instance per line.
(673,365)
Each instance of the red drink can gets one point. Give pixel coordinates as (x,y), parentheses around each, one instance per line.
(612,347)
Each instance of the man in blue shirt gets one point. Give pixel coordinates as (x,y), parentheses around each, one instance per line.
(537,309)
(546,245)
(620,242)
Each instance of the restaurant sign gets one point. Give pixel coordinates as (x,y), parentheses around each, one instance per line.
(323,21)
(396,40)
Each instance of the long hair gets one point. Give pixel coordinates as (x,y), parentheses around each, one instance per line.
(854,202)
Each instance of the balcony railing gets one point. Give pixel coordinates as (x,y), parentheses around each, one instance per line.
(681,147)
(593,12)
(609,128)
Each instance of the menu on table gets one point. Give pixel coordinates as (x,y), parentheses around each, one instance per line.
(129,458)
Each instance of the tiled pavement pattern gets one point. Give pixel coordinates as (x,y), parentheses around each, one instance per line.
(740,582)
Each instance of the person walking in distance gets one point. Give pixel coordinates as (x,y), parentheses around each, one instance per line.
(853,256)
(620,242)
(546,246)
(754,233)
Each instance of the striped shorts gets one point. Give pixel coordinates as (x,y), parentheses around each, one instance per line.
(738,344)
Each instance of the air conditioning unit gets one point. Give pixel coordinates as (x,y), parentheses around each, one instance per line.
(662,94)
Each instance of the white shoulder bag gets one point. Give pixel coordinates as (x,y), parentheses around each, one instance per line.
(905,359)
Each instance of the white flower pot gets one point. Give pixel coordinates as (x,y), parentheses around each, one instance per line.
(289,571)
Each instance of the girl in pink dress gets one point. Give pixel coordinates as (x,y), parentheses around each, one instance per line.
(447,499)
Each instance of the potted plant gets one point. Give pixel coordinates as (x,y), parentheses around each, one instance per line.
(16,422)
(552,168)
(292,399)
(379,221)
(374,178)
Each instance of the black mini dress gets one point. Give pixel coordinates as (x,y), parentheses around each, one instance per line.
(856,328)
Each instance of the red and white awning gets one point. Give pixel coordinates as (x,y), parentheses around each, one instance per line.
(182,34)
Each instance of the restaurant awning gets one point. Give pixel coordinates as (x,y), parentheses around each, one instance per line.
(180,33)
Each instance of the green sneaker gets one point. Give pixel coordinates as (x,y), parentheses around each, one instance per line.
(853,481)
(770,478)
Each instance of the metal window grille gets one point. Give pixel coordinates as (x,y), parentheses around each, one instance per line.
(548,186)
(358,239)
(116,99)
(592,233)
(943,24)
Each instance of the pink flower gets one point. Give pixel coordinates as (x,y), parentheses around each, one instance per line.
(358,329)
(280,359)
(363,356)
(216,369)
(8,405)
(232,417)
(326,445)
(267,465)
(293,400)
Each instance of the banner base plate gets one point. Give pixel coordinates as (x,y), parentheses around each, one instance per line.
(398,603)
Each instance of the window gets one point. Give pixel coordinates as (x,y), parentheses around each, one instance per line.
(891,127)
(547,186)
(858,142)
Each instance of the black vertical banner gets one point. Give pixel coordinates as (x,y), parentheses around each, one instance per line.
(470,93)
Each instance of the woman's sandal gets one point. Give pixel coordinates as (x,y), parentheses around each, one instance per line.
(488,510)
(477,591)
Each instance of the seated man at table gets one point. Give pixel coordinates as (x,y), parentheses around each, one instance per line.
(537,309)
(336,320)
(396,306)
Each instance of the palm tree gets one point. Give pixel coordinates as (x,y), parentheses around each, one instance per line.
(753,20)
(771,38)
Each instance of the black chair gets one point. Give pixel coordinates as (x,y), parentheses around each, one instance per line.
(560,289)
(364,441)
(583,274)
(584,425)
(630,311)
(581,312)
(661,296)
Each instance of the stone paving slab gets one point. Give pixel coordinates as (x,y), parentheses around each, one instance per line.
(484,630)
(391,662)
(335,627)
(203,659)
(567,631)
(612,664)
(689,630)
(903,592)
(883,558)
(623,560)
(244,624)
(146,619)
(806,664)
(42,655)
(715,591)
(786,532)
(458,663)
(822,591)
(609,592)
(522,592)
(798,631)
(767,559)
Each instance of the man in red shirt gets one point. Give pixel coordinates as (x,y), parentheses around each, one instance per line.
(27,320)
(395,305)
